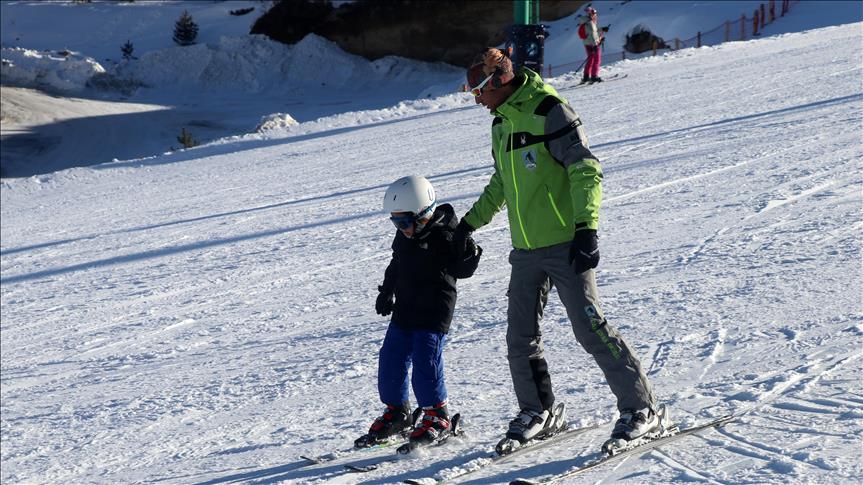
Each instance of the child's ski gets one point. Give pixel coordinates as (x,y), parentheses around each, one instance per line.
(409,447)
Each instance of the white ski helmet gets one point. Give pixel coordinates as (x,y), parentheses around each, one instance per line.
(410,194)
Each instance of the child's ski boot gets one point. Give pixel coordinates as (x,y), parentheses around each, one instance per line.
(435,426)
(395,421)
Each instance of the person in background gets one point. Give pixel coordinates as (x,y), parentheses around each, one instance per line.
(419,290)
(550,182)
(592,38)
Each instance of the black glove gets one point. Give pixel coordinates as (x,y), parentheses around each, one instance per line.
(605,29)
(460,236)
(385,302)
(470,248)
(584,251)
(467,262)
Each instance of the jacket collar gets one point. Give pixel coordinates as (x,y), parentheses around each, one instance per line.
(531,87)
(444,215)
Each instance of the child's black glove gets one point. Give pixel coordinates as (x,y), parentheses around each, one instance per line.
(385,302)
(584,251)
(460,236)
(468,261)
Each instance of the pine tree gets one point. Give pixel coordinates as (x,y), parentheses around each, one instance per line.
(185,30)
(127,50)
(186,139)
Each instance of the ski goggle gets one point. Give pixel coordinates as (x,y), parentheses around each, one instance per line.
(477,90)
(403,221)
(406,220)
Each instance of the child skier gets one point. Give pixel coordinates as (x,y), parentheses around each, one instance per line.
(419,289)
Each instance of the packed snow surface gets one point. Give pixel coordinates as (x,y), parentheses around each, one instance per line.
(207,316)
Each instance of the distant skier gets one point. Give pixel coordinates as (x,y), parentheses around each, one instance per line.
(419,289)
(550,183)
(592,38)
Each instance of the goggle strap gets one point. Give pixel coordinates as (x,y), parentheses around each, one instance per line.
(426,211)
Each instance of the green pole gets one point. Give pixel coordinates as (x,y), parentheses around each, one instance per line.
(525,12)
(522,12)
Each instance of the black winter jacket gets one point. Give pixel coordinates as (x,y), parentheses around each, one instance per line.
(423,272)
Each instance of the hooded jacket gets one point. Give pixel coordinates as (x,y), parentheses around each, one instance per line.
(544,170)
(422,273)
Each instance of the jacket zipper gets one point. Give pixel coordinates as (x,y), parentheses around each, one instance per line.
(515,183)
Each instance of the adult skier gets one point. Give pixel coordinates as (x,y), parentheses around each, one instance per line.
(419,290)
(592,38)
(550,182)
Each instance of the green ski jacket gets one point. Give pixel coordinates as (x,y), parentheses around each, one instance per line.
(544,171)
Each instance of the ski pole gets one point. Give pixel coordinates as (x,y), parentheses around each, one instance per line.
(580,65)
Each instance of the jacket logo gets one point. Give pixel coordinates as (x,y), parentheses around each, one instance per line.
(529,158)
(523,140)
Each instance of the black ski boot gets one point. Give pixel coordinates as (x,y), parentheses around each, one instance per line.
(396,420)
(435,427)
(434,423)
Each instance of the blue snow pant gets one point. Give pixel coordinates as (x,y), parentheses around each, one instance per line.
(401,348)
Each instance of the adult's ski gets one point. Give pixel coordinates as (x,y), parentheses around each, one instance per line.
(494,458)
(636,449)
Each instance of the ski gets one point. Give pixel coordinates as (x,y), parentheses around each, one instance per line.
(613,77)
(407,448)
(638,448)
(335,455)
(494,458)
(364,443)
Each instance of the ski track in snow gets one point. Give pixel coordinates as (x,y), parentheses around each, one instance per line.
(219,323)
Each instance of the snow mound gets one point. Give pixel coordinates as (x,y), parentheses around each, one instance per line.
(62,71)
(276,121)
(255,64)
(250,64)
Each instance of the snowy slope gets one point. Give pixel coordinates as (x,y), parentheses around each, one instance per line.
(224,85)
(207,316)
(682,20)
(229,81)
(99,29)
